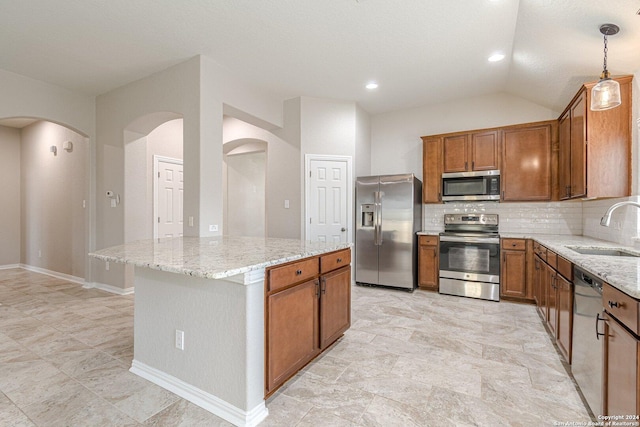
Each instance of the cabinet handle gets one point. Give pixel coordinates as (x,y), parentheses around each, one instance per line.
(439,196)
(298,272)
(339,260)
(317,288)
(503,194)
(613,304)
(473,165)
(324,286)
(598,318)
(465,165)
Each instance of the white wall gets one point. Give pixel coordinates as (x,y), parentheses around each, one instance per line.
(624,221)
(53,190)
(246,173)
(396,146)
(10,194)
(282,175)
(165,140)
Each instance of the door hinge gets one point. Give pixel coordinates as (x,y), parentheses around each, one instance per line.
(158,220)
(309,174)
(309,220)
(158,174)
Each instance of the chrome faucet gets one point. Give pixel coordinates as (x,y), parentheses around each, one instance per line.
(606,219)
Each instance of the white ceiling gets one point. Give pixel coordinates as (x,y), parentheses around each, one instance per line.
(420,51)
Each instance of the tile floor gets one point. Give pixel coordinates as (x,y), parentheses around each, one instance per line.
(418,359)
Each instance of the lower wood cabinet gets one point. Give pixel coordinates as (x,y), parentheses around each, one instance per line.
(428,262)
(292,331)
(552,281)
(564,320)
(307,308)
(335,305)
(513,268)
(621,382)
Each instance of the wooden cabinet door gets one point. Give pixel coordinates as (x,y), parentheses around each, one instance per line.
(485,149)
(513,274)
(526,163)
(564,156)
(565,316)
(428,268)
(456,153)
(431,170)
(292,331)
(537,285)
(579,147)
(335,305)
(551,299)
(620,370)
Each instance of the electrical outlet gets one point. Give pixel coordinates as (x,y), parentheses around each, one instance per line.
(179,339)
(190,221)
(213,227)
(39,253)
(286,204)
(106,265)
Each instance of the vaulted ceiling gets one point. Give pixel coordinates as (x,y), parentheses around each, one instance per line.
(421,52)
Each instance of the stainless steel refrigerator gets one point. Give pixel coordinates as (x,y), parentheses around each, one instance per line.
(388,216)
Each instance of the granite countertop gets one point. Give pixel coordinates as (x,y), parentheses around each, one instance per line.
(620,272)
(213,257)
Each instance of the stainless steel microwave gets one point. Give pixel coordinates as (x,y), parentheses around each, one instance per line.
(471,186)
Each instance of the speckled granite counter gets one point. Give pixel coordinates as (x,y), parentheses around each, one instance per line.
(213,257)
(620,272)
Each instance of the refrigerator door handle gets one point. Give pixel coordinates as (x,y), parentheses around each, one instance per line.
(378,225)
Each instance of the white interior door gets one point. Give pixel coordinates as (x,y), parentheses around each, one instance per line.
(168,198)
(328,200)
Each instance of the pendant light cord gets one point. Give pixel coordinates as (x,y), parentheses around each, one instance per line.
(605,55)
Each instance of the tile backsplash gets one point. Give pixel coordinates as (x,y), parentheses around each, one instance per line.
(539,218)
(571,217)
(624,221)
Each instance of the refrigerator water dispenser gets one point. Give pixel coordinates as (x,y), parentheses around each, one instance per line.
(367,215)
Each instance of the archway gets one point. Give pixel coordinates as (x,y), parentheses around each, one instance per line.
(45,189)
(156,134)
(244,195)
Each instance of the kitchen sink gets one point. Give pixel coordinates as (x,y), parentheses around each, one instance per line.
(602,251)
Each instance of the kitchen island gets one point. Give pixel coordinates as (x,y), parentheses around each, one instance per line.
(199,328)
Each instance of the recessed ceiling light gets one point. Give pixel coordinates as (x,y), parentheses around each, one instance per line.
(372,85)
(496,57)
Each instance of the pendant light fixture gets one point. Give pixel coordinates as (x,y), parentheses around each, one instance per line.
(606,94)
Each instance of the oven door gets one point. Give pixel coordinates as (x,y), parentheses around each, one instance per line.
(474,259)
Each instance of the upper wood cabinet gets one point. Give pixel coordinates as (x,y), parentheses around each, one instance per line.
(476,151)
(431,169)
(595,146)
(526,162)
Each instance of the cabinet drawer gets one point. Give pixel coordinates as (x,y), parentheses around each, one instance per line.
(540,250)
(335,260)
(513,244)
(565,268)
(281,277)
(552,259)
(428,240)
(621,306)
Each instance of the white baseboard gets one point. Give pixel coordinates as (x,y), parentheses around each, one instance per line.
(55,274)
(109,288)
(205,400)
(9,266)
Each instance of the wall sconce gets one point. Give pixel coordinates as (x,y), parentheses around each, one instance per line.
(67,146)
(606,94)
(54,150)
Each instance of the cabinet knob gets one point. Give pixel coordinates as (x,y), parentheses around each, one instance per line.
(339,260)
(298,272)
(613,304)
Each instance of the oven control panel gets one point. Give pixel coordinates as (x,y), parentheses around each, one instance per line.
(471,219)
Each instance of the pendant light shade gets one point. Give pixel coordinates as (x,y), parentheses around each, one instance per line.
(606,94)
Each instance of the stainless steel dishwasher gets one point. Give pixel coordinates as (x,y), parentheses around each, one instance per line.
(586,362)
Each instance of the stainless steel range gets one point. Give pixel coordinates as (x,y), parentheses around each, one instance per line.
(470,256)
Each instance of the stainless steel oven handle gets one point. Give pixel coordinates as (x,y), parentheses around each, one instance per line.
(490,240)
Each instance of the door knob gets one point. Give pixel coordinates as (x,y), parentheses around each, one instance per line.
(343,229)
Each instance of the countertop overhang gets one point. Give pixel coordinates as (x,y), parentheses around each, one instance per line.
(214,257)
